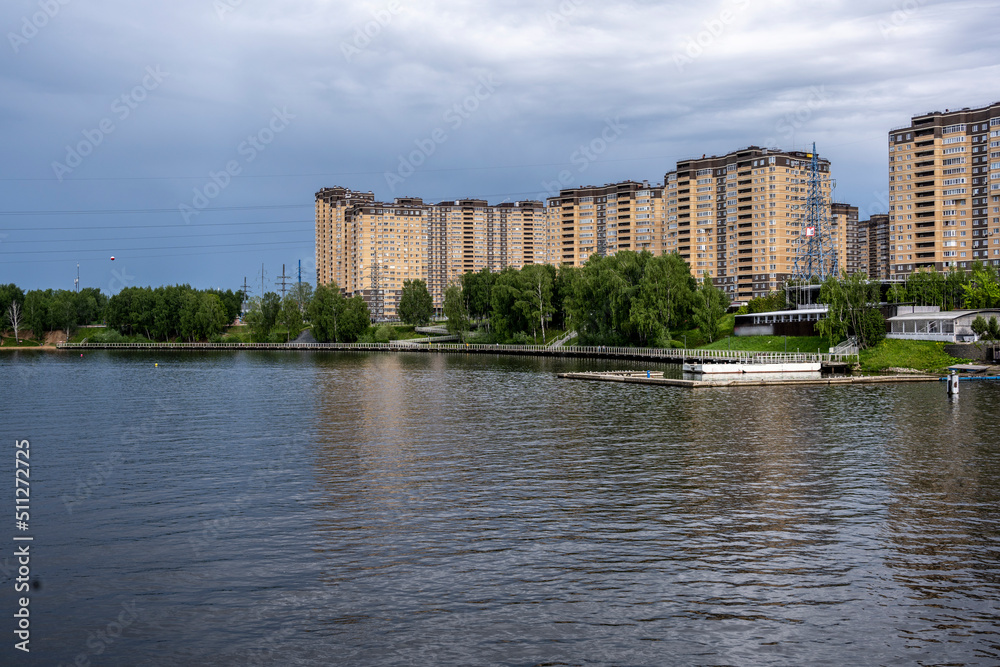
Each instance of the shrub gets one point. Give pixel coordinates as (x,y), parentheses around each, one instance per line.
(872,327)
(386,333)
(108,336)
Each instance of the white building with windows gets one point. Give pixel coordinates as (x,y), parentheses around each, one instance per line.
(929,323)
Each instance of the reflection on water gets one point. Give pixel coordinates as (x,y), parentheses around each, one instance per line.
(401,509)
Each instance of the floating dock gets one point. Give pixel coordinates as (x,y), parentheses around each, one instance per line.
(657,378)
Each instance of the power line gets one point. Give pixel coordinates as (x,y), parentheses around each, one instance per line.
(202,177)
(173,210)
(194,226)
(129,257)
(177,247)
(150,238)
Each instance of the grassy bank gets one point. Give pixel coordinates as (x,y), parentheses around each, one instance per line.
(790,344)
(919,355)
(12,342)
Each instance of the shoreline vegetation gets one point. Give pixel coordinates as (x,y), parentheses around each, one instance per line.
(889,355)
(627,300)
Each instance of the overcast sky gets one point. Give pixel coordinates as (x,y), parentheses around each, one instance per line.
(187,138)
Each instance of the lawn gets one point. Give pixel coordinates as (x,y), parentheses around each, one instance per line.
(916,354)
(789,344)
(12,342)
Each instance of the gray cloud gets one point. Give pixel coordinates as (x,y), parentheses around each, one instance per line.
(367,80)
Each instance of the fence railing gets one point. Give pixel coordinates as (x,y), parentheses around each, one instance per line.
(849,346)
(736,356)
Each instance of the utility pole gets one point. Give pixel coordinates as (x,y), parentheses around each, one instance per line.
(76,283)
(262,280)
(246,291)
(283,282)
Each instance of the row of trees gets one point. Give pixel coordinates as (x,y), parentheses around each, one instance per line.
(978,287)
(39,311)
(176,311)
(626,299)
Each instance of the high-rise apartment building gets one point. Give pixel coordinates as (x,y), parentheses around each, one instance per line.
(850,239)
(603,220)
(370,248)
(741,217)
(944,184)
(878,246)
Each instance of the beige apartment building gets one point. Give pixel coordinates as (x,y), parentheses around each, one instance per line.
(603,220)
(850,239)
(370,248)
(878,246)
(741,217)
(944,184)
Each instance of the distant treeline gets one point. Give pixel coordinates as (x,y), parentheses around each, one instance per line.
(40,311)
(177,311)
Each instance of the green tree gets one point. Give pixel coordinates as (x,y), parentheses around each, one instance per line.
(982,289)
(9,294)
(270,306)
(710,305)
(765,304)
(477,290)
(335,318)
(415,304)
(455,311)
(36,313)
(665,293)
(290,316)
(897,293)
(980,326)
(852,303)
(356,320)
(536,294)
(212,316)
(302,293)
(188,315)
(63,311)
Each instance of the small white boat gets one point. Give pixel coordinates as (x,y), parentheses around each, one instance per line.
(740,368)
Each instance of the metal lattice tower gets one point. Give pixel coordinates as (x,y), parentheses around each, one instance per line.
(816,256)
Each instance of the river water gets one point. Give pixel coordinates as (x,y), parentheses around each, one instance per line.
(408,509)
